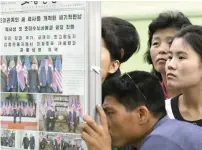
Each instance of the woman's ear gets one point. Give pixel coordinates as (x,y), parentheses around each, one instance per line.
(114,66)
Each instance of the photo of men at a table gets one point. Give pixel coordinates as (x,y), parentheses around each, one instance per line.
(60,113)
(60,141)
(33,74)
(19,139)
(18,111)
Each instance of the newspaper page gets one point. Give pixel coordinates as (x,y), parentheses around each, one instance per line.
(42,74)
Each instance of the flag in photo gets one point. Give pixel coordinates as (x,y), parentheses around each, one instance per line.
(42,62)
(27,66)
(11,63)
(20,74)
(58,73)
(50,64)
(4,64)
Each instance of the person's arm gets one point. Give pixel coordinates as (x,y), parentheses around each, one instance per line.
(159,143)
(38,80)
(33,142)
(41,76)
(12,78)
(23,142)
(16,78)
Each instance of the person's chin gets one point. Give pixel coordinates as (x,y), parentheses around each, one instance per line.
(117,143)
(160,68)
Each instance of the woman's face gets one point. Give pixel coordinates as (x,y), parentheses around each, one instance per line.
(183,67)
(107,65)
(160,45)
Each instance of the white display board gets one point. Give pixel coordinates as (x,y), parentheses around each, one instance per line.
(50,76)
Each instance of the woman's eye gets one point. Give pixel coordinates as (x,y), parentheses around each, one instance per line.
(180,57)
(155,43)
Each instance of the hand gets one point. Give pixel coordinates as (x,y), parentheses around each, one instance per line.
(95,135)
(40,84)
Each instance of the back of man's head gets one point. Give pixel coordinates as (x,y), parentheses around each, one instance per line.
(137,88)
(119,34)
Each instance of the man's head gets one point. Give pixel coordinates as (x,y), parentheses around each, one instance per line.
(161,31)
(131,103)
(120,41)
(12,64)
(34,66)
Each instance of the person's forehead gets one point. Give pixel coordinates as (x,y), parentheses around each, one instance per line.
(165,32)
(178,44)
(111,102)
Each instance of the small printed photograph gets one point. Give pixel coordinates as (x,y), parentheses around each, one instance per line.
(19,139)
(60,141)
(19,111)
(28,140)
(8,138)
(31,74)
(60,113)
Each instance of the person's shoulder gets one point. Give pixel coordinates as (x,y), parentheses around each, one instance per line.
(173,130)
(176,141)
(157,142)
(169,126)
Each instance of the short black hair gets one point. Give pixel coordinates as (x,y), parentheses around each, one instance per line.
(148,93)
(192,35)
(120,34)
(168,19)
